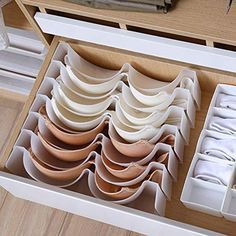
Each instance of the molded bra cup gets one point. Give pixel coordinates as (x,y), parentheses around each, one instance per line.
(135,116)
(61,150)
(64,175)
(114,191)
(119,192)
(47,158)
(80,109)
(67,82)
(137,113)
(132,171)
(158,154)
(69,136)
(89,70)
(131,107)
(96,88)
(87,106)
(72,120)
(171,116)
(35,174)
(108,177)
(138,149)
(153,86)
(131,134)
(155,97)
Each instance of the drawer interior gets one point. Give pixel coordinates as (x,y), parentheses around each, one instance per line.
(165,71)
(11,105)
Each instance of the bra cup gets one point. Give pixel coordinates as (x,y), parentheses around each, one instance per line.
(115,192)
(75,122)
(91,108)
(151,86)
(60,175)
(126,173)
(96,88)
(67,154)
(131,135)
(80,109)
(76,91)
(138,149)
(79,138)
(88,69)
(35,174)
(48,159)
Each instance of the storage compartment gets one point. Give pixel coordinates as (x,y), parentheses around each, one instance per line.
(78,201)
(214,161)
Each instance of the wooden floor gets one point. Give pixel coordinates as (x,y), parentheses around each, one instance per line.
(20,217)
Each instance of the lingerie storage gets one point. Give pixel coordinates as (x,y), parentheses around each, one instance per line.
(117,135)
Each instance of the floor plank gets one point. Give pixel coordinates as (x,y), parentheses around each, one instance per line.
(20,217)
(76,225)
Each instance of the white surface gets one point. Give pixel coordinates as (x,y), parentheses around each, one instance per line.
(137,42)
(97,209)
(15,82)
(221,199)
(19,63)
(26,41)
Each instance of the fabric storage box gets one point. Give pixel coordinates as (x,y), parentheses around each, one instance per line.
(220,199)
(104,211)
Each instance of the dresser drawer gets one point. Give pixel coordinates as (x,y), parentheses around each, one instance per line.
(158,59)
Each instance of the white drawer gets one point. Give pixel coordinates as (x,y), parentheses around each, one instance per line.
(159,58)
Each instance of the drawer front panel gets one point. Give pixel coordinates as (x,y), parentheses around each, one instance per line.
(137,42)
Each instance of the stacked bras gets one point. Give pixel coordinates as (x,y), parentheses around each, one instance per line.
(121,130)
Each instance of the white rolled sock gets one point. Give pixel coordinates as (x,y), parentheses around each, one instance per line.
(220,148)
(226,101)
(223,125)
(213,172)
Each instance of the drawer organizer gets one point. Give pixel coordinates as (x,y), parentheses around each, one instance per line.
(210,183)
(142,215)
(105,133)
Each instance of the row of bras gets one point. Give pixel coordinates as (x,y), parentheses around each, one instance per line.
(129,120)
(85,76)
(157,181)
(122,183)
(88,139)
(93,104)
(118,177)
(93,80)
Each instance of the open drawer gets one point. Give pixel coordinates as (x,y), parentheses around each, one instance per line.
(178,219)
